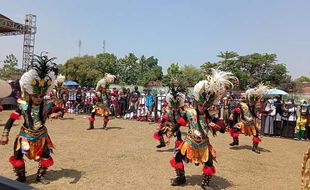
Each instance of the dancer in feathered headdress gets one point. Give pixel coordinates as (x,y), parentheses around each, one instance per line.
(59,85)
(102,101)
(196,147)
(57,98)
(244,116)
(173,116)
(33,139)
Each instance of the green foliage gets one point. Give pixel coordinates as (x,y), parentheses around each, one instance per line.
(250,69)
(254,68)
(174,73)
(302,79)
(191,75)
(130,70)
(82,70)
(107,63)
(206,67)
(10,67)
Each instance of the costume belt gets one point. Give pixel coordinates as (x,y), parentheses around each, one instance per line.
(33,135)
(196,139)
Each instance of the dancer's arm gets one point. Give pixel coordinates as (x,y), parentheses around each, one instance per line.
(5,134)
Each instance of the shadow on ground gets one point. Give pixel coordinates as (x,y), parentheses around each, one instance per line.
(111,128)
(165,150)
(67,118)
(216,183)
(54,175)
(248,147)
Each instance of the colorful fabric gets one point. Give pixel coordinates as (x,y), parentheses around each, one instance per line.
(197,155)
(32,143)
(301,123)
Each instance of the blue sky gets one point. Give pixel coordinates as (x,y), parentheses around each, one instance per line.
(183,31)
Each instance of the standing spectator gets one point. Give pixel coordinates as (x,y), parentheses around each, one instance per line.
(270,112)
(134,101)
(301,122)
(289,119)
(123,101)
(78,99)
(88,101)
(278,117)
(113,106)
(263,104)
(149,101)
(307,135)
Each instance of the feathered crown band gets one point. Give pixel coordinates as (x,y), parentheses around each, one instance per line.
(175,97)
(255,94)
(40,79)
(105,82)
(214,87)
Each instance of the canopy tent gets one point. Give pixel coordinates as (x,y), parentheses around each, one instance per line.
(275,91)
(70,83)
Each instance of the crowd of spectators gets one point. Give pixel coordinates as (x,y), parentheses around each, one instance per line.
(124,103)
(281,118)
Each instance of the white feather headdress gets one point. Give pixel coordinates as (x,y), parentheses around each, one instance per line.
(105,81)
(40,79)
(254,94)
(60,79)
(214,87)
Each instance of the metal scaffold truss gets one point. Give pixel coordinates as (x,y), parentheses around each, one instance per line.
(10,28)
(29,39)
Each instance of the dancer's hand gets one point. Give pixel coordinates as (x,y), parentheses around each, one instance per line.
(54,115)
(167,141)
(4,140)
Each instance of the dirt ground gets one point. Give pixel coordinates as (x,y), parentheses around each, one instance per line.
(125,157)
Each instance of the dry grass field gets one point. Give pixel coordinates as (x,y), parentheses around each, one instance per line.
(125,157)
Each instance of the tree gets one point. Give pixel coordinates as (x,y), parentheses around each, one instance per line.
(261,68)
(229,61)
(173,73)
(191,75)
(10,67)
(129,71)
(82,70)
(253,69)
(206,67)
(302,79)
(107,63)
(148,70)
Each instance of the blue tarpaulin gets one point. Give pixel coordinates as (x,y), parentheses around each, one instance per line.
(70,83)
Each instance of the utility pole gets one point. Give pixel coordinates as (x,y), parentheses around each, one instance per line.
(103,46)
(80,44)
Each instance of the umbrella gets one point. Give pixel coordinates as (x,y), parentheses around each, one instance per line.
(275,91)
(70,83)
(6,89)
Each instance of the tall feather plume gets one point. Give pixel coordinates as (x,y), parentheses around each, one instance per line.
(175,88)
(200,91)
(220,81)
(109,78)
(44,66)
(105,81)
(258,92)
(60,78)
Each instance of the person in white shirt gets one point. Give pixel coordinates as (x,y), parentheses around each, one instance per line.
(270,112)
(289,119)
